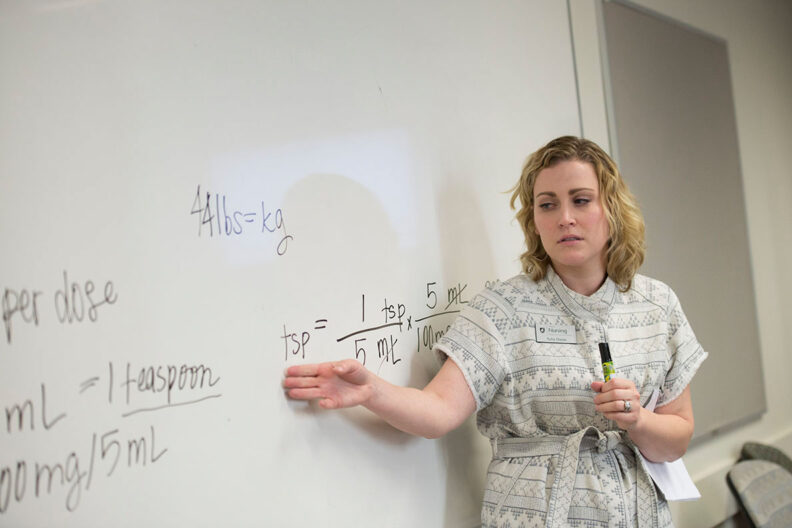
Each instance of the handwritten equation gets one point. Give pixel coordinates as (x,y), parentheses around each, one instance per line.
(217,218)
(393,322)
(131,390)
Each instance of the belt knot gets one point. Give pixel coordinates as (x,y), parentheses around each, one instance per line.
(600,441)
(607,440)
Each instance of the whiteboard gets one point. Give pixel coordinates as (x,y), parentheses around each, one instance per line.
(195,195)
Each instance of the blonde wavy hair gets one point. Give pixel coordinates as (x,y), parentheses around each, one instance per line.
(626,246)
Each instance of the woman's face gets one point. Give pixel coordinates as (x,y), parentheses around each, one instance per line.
(570,218)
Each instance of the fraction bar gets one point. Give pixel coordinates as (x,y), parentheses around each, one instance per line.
(367,330)
(435,315)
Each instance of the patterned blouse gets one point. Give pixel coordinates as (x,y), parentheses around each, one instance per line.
(529,352)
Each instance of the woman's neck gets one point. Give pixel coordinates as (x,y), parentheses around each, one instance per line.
(580,281)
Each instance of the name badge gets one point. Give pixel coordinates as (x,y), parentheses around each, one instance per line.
(556,334)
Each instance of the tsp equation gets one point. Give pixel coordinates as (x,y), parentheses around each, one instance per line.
(393,322)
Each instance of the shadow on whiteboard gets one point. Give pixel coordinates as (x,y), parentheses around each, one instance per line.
(466,251)
(350,246)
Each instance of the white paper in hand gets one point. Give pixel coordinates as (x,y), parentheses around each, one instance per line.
(671,477)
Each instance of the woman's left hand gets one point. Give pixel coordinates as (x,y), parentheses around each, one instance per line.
(613,400)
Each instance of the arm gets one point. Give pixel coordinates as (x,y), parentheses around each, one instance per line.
(440,407)
(663,435)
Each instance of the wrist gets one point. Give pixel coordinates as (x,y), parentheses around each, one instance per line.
(374,394)
(636,429)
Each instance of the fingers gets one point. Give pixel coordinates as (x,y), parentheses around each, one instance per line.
(615,389)
(343,367)
(303,370)
(305,394)
(308,389)
(617,406)
(617,383)
(625,420)
(300,383)
(617,395)
(335,384)
(613,383)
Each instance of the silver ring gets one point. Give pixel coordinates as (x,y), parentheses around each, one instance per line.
(627,406)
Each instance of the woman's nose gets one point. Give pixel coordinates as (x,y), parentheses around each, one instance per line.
(567,217)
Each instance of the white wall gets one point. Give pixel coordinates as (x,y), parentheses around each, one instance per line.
(759,43)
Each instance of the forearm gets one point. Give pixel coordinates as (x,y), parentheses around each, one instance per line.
(414,411)
(661,437)
(432,412)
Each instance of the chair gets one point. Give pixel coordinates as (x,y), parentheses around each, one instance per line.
(764,491)
(757,451)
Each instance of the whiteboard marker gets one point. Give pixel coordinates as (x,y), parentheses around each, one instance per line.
(607,362)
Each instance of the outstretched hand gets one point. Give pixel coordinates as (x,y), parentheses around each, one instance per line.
(335,384)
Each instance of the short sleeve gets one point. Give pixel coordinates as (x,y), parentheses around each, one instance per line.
(475,343)
(686,354)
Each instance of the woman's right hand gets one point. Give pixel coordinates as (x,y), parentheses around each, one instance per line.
(335,384)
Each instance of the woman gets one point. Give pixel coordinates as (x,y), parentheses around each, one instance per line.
(525,355)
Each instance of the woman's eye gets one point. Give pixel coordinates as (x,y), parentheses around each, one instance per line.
(582,201)
(545,205)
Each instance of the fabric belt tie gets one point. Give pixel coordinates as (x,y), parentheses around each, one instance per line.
(568,449)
